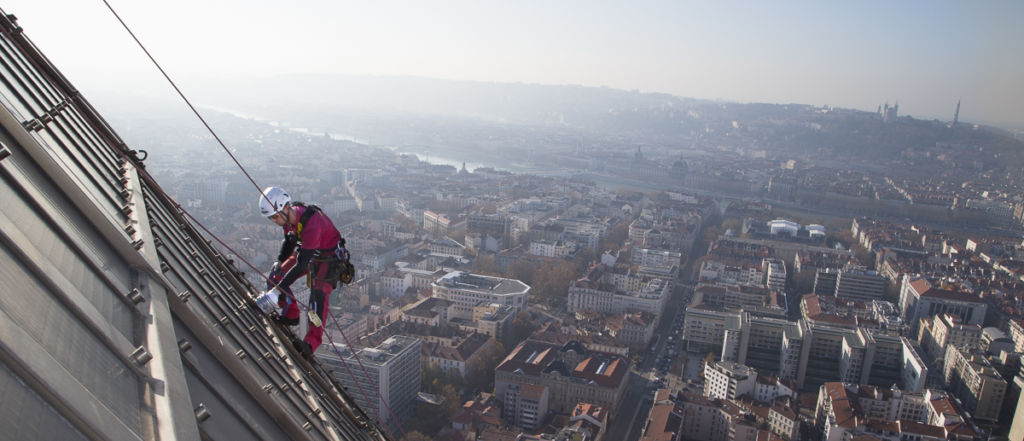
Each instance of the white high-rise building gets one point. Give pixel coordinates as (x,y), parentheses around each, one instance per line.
(726,380)
(392,368)
(775,273)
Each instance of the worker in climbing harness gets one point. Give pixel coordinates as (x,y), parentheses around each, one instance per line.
(312,246)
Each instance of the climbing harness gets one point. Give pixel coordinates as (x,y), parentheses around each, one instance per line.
(347,268)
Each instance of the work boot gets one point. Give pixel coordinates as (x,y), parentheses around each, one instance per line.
(304,348)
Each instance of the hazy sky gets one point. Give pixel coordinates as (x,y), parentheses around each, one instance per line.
(924,54)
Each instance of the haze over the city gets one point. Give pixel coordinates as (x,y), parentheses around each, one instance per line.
(465,221)
(923,55)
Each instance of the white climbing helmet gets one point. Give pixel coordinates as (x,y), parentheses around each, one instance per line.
(273,201)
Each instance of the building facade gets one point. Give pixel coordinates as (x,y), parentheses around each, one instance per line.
(392,369)
(570,372)
(919,299)
(971,377)
(525,405)
(470,290)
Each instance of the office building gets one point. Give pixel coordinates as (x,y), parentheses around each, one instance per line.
(920,299)
(470,290)
(858,284)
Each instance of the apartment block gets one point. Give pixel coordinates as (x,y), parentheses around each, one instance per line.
(771,346)
(446,246)
(730,381)
(549,248)
(663,420)
(715,271)
(877,315)
(714,419)
(973,380)
(737,297)
(492,319)
(726,380)
(1016,329)
(848,411)
(586,422)
(704,328)
(943,330)
(604,289)
(652,257)
(458,356)
(432,311)
(525,405)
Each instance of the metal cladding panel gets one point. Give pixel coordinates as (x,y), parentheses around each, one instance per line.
(212,293)
(71,142)
(25,415)
(118,319)
(52,226)
(231,414)
(44,288)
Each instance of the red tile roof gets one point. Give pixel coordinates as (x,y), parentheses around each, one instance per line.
(657,428)
(605,371)
(925,289)
(598,413)
(922,429)
(842,407)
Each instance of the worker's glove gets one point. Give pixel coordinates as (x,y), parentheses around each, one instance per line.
(273,272)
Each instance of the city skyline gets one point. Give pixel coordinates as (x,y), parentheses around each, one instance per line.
(792,273)
(926,56)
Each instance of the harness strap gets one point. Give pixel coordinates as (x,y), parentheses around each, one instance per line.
(336,258)
(306,215)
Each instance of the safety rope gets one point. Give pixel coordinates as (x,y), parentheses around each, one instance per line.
(360,361)
(184,98)
(258,189)
(328,334)
(121,150)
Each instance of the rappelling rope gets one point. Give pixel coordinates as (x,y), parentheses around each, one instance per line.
(253,181)
(183,97)
(328,334)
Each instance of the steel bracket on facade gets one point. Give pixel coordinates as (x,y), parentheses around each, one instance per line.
(135,296)
(202,413)
(33,125)
(141,356)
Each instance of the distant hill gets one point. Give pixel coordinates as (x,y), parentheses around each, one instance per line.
(386,105)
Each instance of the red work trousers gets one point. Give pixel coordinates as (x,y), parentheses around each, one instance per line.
(319,296)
